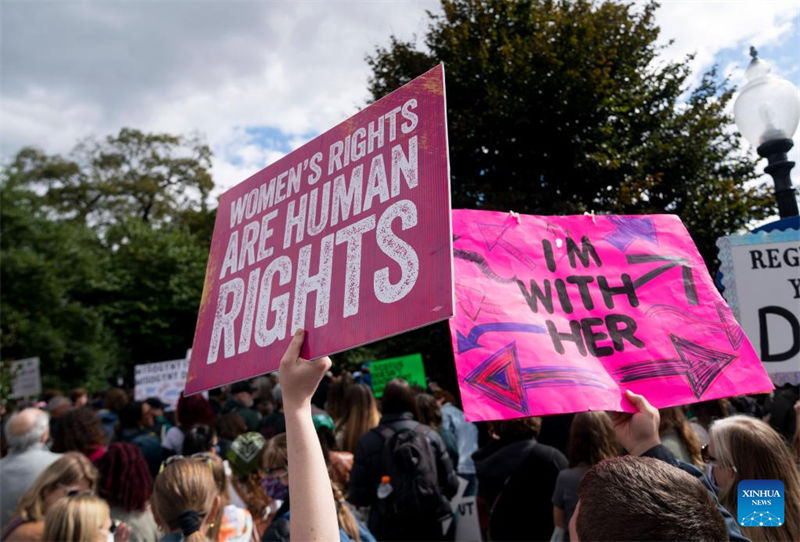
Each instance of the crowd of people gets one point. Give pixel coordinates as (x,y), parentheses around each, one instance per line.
(315,456)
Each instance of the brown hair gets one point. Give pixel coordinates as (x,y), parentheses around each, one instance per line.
(276,454)
(642,498)
(673,419)
(77,393)
(184,485)
(78,430)
(336,393)
(517,429)
(69,469)
(76,519)
(759,453)
(429,411)
(398,397)
(361,415)
(591,439)
(115,400)
(230,426)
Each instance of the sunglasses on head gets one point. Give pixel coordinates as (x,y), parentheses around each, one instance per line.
(200,456)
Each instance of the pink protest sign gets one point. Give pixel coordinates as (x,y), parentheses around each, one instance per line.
(347,237)
(559,314)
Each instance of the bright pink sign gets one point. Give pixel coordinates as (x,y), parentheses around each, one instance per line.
(559,314)
(348,237)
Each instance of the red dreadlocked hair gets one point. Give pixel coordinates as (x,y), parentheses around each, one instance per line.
(125,479)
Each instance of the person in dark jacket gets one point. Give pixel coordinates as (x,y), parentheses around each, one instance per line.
(241,402)
(136,426)
(516,478)
(399,410)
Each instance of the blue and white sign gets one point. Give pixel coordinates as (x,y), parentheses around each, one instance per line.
(760,503)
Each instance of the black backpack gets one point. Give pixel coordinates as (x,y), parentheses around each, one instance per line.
(410,461)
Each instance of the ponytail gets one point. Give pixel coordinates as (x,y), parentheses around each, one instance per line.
(347,521)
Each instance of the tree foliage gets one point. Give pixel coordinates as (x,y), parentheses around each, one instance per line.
(104,254)
(564,107)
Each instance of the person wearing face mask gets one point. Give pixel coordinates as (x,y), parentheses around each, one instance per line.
(241,402)
(276,466)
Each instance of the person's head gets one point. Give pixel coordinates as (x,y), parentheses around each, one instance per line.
(200,438)
(157,406)
(276,467)
(79,397)
(443,397)
(136,415)
(430,413)
(517,429)
(336,392)
(745,448)
(230,426)
(81,518)
(398,397)
(115,400)
(359,415)
(591,439)
(192,410)
(78,430)
(71,473)
(125,479)
(245,454)
(58,406)
(673,419)
(27,428)
(185,498)
(642,498)
(243,392)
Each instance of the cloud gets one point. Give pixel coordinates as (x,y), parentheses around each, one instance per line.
(237,70)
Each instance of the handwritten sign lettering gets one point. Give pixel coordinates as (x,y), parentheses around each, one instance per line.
(560,314)
(347,237)
(410,368)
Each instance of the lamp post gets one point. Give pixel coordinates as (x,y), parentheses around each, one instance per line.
(766,112)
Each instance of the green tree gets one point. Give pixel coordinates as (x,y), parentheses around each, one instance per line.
(53,276)
(152,177)
(563,107)
(104,254)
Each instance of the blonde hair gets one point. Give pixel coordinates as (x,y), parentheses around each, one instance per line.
(184,485)
(757,452)
(221,481)
(76,519)
(69,469)
(360,415)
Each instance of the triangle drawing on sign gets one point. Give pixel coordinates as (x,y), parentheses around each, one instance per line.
(499,377)
(704,363)
(491,234)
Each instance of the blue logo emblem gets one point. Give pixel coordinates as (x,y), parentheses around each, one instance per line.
(760,503)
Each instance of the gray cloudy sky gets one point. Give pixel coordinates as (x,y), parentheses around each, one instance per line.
(258,79)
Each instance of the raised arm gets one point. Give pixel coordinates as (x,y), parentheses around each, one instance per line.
(310,492)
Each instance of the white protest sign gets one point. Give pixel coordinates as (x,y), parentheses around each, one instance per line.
(164,380)
(761,275)
(465,513)
(27,379)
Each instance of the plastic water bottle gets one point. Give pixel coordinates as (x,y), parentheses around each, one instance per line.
(385,488)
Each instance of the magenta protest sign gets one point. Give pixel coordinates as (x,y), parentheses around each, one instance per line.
(559,314)
(347,237)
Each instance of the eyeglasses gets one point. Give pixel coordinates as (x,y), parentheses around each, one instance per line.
(79,492)
(708,458)
(200,456)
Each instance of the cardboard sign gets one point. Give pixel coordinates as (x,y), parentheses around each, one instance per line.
(27,381)
(347,237)
(410,368)
(761,275)
(561,314)
(164,380)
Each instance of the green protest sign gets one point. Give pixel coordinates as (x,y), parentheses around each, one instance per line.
(409,368)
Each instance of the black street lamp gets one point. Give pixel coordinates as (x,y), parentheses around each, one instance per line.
(767,111)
